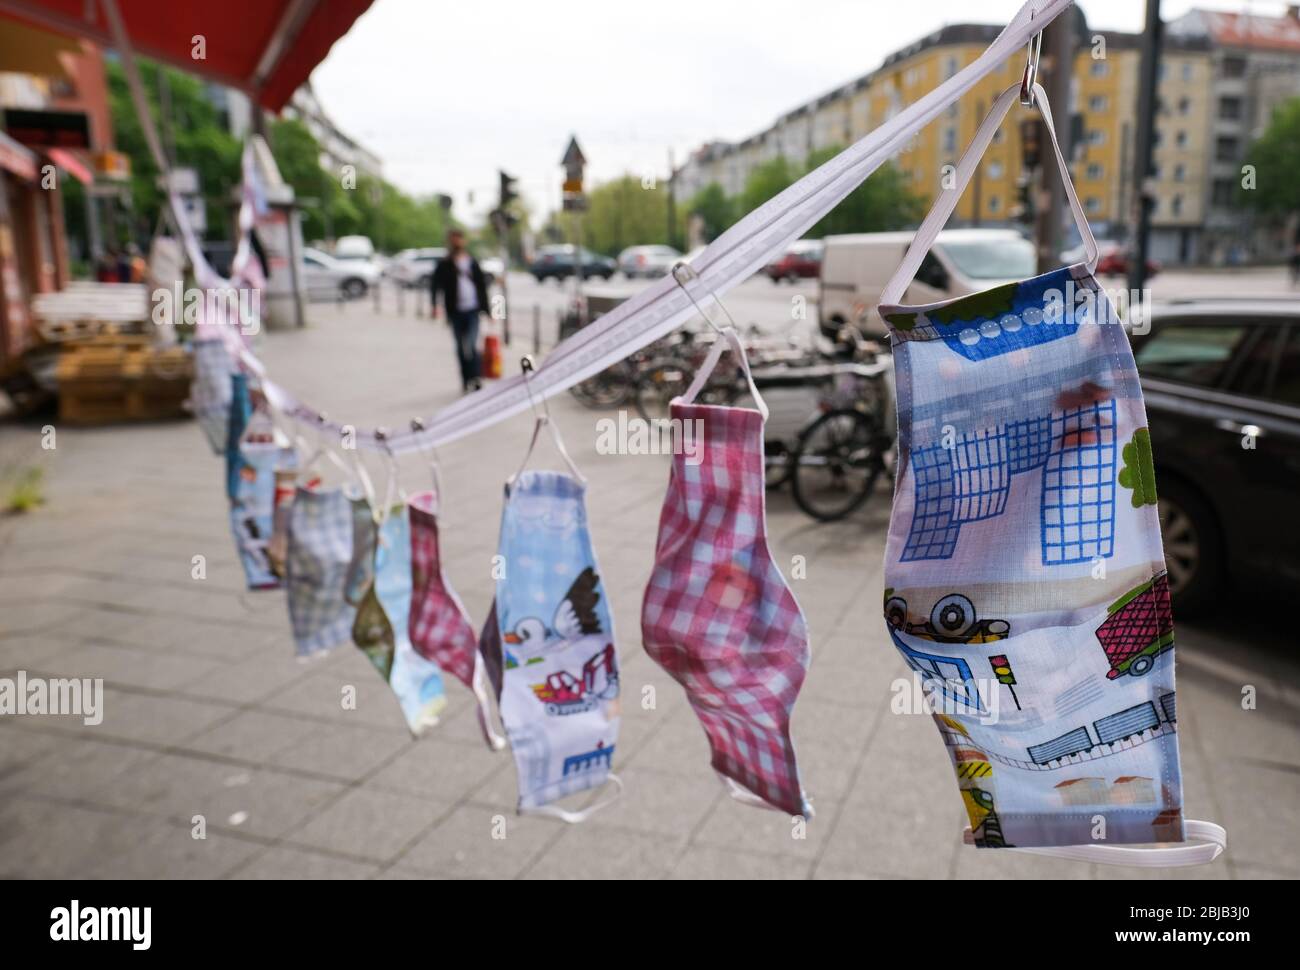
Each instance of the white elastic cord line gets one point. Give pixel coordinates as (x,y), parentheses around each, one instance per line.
(479,681)
(729,259)
(1206,841)
(947,200)
(746,797)
(726,336)
(574,818)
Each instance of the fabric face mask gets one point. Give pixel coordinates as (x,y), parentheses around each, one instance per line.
(317,568)
(241,410)
(718,615)
(210,392)
(440,629)
(1025,579)
(549,643)
(252,511)
(383,617)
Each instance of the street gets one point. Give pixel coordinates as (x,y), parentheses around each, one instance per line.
(210,725)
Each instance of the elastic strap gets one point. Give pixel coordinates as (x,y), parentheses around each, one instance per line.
(746,797)
(544,420)
(479,686)
(574,818)
(727,337)
(947,200)
(1206,841)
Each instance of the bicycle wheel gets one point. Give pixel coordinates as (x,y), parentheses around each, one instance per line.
(836,464)
(656,384)
(610,388)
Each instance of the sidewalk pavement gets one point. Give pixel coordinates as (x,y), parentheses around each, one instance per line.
(207,713)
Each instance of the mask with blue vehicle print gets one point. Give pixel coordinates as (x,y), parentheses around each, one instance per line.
(1025,577)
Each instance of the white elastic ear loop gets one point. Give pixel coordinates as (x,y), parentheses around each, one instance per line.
(544,420)
(1206,841)
(575,818)
(479,686)
(728,336)
(746,797)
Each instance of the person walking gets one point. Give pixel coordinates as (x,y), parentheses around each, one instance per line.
(460,283)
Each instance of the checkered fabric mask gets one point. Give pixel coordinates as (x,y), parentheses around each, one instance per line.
(210,391)
(440,628)
(1025,578)
(549,643)
(317,568)
(718,615)
(252,510)
(383,617)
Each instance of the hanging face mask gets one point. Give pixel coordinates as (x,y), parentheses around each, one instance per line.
(317,569)
(718,615)
(210,392)
(1025,577)
(549,644)
(263,457)
(440,629)
(241,410)
(384,611)
(277,548)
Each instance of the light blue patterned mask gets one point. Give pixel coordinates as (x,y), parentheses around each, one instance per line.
(1025,579)
(549,644)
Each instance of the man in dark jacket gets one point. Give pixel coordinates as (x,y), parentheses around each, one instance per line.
(459,282)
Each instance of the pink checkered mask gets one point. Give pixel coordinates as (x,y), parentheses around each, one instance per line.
(718,615)
(440,628)
(1025,579)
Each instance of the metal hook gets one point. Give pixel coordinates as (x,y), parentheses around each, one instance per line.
(1032,56)
(683,269)
(526,364)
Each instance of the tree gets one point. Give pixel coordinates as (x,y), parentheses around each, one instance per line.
(199,139)
(1276,191)
(883,202)
(625,212)
(766,181)
(715,209)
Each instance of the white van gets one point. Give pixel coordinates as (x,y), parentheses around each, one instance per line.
(855,268)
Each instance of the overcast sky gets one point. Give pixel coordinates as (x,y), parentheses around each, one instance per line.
(448,93)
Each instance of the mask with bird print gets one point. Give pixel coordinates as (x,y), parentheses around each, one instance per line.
(548,644)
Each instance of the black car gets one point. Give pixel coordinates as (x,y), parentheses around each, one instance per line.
(556,262)
(1222,385)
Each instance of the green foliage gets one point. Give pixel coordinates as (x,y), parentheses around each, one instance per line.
(625,213)
(374,208)
(765,181)
(716,210)
(24,489)
(199,140)
(1139,471)
(1277,191)
(883,202)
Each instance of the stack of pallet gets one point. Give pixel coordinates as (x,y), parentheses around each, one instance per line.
(120,377)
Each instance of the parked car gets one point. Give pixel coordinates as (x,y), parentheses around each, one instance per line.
(327,278)
(802,261)
(649,262)
(413,268)
(357,253)
(493,268)
(1222,385)
(1113,259)
(855,268)
(556,262)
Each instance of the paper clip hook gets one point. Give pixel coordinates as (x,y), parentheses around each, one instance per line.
(1032,57)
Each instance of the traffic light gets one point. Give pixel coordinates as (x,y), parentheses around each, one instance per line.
(507,193)
(1002,668)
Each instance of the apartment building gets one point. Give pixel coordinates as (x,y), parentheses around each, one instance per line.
(1254,65)
(1188,225)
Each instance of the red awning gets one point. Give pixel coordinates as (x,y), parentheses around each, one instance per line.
(264,47)
(71,164)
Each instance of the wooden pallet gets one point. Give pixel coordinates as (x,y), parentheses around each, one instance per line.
(122,379)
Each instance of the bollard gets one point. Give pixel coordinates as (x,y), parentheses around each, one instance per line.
(537,330)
